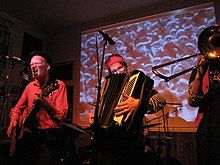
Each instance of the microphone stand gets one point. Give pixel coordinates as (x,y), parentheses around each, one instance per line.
(4,95)
(96,116)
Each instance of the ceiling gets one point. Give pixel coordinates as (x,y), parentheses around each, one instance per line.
(52,15)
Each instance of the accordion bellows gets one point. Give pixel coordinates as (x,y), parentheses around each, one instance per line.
(135,84)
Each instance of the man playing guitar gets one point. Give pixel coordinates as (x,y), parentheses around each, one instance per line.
(43,104)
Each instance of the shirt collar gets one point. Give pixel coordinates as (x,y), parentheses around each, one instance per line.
(36,83)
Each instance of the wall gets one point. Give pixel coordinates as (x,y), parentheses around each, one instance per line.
(16,41)
(65,48)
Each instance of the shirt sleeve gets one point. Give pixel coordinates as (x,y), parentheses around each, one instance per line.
(193,99)
(61,104)
(17,111)
(156,102)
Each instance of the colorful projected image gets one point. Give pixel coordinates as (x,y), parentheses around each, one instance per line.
(145,43)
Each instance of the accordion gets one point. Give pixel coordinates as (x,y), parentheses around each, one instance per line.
(135,84)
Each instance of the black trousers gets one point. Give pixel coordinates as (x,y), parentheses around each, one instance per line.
(207,149)
(42,147)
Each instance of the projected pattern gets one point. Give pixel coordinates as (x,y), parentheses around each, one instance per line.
(145,44)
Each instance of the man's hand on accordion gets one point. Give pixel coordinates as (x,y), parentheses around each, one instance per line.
(128,107)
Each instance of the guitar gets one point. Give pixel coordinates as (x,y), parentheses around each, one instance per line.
(31,121)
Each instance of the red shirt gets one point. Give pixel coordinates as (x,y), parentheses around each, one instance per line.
(57,99)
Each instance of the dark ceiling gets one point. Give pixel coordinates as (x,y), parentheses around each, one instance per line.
(50,15)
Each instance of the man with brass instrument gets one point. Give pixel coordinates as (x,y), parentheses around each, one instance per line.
(204,92)
(129,148)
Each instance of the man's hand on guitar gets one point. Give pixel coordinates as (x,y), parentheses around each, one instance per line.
(12,125)
(128,107)
(42,102)
(38,101)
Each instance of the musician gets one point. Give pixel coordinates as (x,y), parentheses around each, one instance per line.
(44,143)
(128,149)
(204,92)
(115,63)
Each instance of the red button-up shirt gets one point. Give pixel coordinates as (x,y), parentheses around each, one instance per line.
(57,99)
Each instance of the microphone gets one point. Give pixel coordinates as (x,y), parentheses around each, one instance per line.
(156,103)
(106,37)
(16,60)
